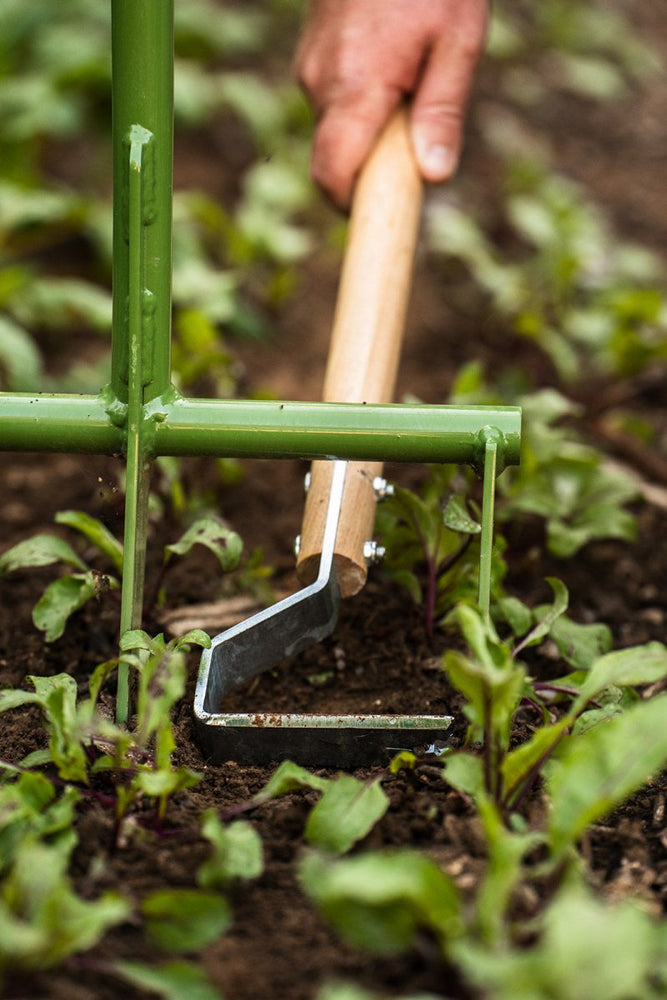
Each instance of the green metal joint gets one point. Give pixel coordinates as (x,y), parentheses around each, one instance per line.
(491,435)
(115,408)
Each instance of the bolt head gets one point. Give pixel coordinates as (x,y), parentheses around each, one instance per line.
(373,553)
(382,488)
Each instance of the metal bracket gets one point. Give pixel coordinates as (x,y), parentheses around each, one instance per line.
(264,640)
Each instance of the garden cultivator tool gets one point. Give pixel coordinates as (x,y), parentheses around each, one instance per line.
(140,415)
(335,544)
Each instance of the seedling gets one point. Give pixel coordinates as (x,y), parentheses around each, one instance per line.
(66,595)
(494,682)
(433,529)
(381,901)
(82,743)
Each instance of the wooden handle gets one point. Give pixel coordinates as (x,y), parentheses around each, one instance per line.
(366,339)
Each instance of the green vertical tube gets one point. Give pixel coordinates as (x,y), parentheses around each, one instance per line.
(488,504)
(138,465)
(142,95)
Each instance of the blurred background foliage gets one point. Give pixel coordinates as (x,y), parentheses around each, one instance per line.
(543,258)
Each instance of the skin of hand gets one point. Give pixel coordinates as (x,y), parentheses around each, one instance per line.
(358,59)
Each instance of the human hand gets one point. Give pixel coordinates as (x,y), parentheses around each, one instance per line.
(357,59)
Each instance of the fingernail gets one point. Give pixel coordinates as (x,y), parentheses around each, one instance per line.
(437,162)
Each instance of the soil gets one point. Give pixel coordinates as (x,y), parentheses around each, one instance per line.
(380,657)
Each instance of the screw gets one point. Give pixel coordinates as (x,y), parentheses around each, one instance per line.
(373,553)
(297,546)
(382,488)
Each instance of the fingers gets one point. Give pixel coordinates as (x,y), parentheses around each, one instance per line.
(357,59)
(345,135)
(439,103)
(348,64)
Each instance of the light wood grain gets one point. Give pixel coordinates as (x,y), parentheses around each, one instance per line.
(366,339)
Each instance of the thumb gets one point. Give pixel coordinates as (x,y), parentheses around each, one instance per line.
(439,104)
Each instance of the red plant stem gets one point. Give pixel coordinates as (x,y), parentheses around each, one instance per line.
(556,688)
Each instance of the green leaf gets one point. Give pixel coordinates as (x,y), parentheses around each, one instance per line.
(171,981)
(597,948)
(224,543)
(42,920)
(58,696)
(547,615)
(163,782)
(289,777)
(195,637)
(465,772)
(38,758)
(60,600)
(16,699)
(237,852)
(493,693)
(99,676)
(518,616)
(20,942)
(595,716)
(580,645)
(41,550)
(506,851)
(594,772)
(529,757)
(185,920)
(590,76)
(95,532)
(625,668)
(347,811)
(457,518)
(31,811)
(403,761)
(60,303)
(378,901)
(588,948)
(161,683)
(481,637)
(350,991)
(136,638)
(21,207)
(19,358)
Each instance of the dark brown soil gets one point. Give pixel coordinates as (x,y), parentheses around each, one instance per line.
(379,658)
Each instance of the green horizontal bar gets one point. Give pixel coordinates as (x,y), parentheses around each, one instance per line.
(261,429)
(59,422)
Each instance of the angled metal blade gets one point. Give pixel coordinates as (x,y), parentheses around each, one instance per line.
(265,640)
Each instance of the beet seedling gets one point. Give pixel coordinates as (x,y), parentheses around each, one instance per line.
(428,537)
(494,682)
(70,592)
(384,901)
(42,919)
(83,744)
(146,764)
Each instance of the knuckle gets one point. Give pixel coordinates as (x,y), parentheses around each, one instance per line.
(442,112)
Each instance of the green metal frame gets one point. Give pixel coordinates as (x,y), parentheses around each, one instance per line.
(139,413)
